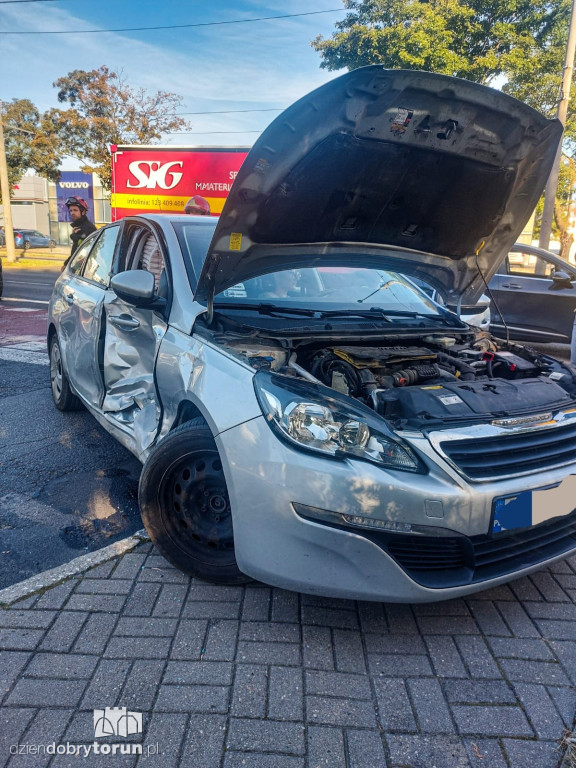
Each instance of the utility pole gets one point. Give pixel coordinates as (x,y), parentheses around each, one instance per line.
(5,188)
(552,185)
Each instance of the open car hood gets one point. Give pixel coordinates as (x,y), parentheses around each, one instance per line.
(420,173)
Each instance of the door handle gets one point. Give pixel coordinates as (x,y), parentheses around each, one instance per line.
(516,286)
(69,298)
(124,322)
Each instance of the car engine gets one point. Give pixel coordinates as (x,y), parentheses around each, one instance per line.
(432,381)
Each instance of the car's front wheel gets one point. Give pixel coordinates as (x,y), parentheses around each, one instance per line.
(64,398)
(185,505)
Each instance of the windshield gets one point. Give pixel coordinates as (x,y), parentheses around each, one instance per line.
(322,289)
(328,288)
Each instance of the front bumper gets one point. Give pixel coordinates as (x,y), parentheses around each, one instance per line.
(280,547)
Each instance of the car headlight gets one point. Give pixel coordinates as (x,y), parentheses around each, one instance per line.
(309,416)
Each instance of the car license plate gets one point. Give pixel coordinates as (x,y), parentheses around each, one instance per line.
(533,507)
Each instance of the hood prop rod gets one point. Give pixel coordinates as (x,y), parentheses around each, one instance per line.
(210,308)
(489,292)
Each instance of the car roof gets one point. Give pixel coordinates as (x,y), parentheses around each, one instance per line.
(163,218)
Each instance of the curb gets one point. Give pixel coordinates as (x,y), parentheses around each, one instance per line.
(54,576)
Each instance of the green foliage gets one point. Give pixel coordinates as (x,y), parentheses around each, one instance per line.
(563,204)
(104,110)
(517,45)
(31,141)
(516,42)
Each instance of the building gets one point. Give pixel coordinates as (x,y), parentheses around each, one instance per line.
(30,209)
(41,205)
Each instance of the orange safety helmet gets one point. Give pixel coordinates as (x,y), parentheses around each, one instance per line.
(197,206)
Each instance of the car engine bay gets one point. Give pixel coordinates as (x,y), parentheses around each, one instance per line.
(430,381)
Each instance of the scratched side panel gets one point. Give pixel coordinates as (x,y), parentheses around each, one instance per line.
(190,369)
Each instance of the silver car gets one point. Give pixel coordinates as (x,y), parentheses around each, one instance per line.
(306,415)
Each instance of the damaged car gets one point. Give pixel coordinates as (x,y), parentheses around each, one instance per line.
(305,413)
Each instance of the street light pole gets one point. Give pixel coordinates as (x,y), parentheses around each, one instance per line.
(562,112)
(5,188)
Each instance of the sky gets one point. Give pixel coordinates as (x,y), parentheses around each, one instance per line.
(260,65)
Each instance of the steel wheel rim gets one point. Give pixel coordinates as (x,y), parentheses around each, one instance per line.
(56,371)
(195,508)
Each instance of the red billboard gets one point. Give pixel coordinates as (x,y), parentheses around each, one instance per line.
(163,179)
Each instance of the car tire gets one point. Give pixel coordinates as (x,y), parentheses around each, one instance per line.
(185,505)
(52,244)
(63,397)
(26,245)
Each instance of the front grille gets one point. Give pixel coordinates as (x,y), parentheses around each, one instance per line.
(428,553)
(458,560)
(484,458)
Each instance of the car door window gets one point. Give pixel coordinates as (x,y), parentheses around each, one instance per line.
(529,265)
(79,260)
(144,253)
(99,262)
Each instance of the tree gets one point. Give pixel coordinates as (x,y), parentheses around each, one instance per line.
(479,40)
(31,141)
(563,204)
(517,45)
(105,110)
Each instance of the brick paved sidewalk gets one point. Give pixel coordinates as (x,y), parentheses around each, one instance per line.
(258,677)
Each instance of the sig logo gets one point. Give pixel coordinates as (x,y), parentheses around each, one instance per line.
(151,174)
(116,721)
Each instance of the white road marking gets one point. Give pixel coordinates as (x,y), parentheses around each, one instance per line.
(26,301)
(21,309)
(23,356)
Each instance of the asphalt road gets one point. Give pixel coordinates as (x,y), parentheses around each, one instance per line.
(28,287)
(66,487)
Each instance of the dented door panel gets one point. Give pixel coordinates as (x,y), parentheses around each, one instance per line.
(131,342)
(80,332)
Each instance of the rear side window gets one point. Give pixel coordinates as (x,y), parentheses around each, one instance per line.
(99,262)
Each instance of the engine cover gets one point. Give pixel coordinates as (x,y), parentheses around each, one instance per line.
(434,405)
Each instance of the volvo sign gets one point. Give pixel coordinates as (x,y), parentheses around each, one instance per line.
(74,184)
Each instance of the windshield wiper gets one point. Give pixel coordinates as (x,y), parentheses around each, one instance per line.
(266,309)
(385,314)
(319,314)
(371,313)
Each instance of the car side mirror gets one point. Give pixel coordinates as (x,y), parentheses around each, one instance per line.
(136,286)
(562,280)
